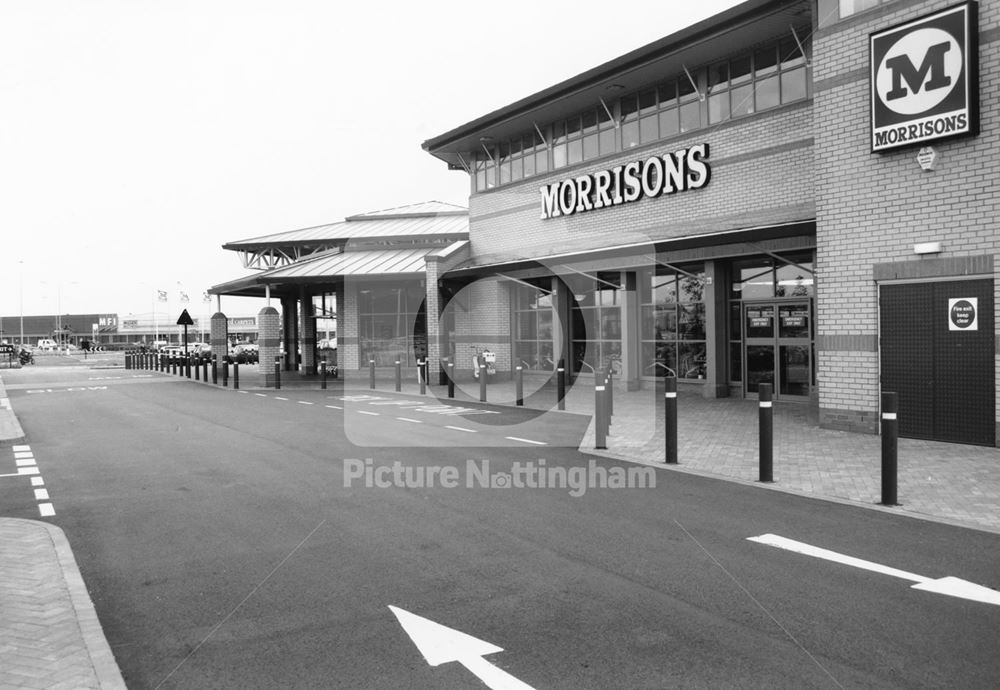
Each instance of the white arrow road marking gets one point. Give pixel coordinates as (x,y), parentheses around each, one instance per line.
(951,586)
(441,645)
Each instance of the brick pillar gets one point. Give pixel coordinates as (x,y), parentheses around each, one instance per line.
(307,328)
(432,305)
(219,338)
(348,341)
(269,339)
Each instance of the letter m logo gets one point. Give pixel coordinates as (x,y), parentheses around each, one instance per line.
(903,70)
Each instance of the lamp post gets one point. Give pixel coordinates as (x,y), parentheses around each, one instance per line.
(21,297)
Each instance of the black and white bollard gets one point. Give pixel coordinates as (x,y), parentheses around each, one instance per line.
(670,419)
(399,376)
(766,433)
(371,374)
(600,434)
(561,385)
(890,448)
(482,382)
(519,385)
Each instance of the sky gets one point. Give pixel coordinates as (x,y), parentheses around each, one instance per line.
(137,137)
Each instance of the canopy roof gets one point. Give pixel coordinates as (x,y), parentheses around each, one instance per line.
(427,218)
(379,244)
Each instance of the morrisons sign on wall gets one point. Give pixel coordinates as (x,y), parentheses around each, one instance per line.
(623,184)
(924,79)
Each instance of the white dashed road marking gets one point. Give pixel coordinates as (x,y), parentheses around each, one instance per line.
(304,402)
(334,407)
(371,414)
(459,428)
(526,440)
(278,397)
(24,459)
(407,419)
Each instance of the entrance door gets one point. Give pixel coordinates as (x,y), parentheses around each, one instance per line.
(937,353)
(777,348)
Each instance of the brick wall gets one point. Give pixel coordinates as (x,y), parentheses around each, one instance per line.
(872,208)
(485,326)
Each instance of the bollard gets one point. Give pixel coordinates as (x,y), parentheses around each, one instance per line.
(451,379)
(215,370)
(601,379)
(890,447)
(322,372)
(600,436)
(128,360)
(187,365)
(519,385)
(670,419)
(766,426)
(399,376)
(561,385)
(197,370)
(422,375)
(482,382)
(225,372)
(371,374)
(236,376)
(173,364)
(611,397)
(204,370)
(277,373)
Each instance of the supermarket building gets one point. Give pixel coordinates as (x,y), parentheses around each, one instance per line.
(793,192)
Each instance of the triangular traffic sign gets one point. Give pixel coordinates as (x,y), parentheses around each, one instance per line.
(185,319)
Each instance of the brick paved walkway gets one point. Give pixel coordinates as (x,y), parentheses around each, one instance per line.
(49,633)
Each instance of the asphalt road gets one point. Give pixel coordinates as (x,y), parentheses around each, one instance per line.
(224,546)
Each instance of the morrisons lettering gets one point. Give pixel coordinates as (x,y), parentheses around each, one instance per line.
(655,176)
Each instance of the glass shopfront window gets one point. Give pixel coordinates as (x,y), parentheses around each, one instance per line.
(596,320)
(673,321)
(533,334)
(392,324)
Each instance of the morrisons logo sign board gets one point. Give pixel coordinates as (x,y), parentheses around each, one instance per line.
(924,79)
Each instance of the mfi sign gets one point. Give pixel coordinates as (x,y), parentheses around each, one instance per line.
(924,79)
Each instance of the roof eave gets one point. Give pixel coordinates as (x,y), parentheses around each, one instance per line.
(717,24)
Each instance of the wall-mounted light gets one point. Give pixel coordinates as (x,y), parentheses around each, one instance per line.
(927,248)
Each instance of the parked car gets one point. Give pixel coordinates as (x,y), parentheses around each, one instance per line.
(47,344)
(244,353)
